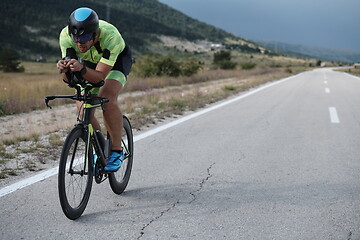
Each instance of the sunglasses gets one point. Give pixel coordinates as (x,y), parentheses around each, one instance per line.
(82,39)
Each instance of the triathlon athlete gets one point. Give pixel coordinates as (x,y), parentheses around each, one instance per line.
(96,50)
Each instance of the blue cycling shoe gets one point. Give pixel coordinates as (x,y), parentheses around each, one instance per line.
(115,161)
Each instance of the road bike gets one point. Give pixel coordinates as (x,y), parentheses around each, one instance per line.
(86,152)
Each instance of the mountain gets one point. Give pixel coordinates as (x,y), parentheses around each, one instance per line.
(32,28)
(322,53)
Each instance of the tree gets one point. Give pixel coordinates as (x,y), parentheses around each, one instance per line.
(10,61)
(221,56)
(158,65)
(223,60)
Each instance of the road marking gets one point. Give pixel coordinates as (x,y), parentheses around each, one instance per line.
(327,90)
(357,78)
(28,181)
(325,82)
(334,118)
(51,172)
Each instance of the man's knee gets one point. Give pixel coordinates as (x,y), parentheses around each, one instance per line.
(110,90)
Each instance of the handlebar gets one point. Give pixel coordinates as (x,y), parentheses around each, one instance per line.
(83,87)
(94,99)
(82,91)
(75,78)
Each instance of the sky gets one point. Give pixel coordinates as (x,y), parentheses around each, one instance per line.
(327,23)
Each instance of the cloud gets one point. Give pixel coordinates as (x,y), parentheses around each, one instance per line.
(331,23)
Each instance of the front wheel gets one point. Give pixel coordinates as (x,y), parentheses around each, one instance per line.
(119,180)
(75,174)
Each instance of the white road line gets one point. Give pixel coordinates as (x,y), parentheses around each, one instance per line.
(41,176)
(334,118)
(325,82)
(327,90)
(28,181)
(357,78)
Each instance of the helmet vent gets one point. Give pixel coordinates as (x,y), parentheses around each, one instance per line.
(83,21)
(82,14)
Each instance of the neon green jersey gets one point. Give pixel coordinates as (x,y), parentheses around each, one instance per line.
(106,50)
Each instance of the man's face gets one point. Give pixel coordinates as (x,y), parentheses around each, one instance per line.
(83,47)
(84,42)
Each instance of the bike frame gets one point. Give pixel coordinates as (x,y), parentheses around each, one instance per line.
(93,138)
(91,102)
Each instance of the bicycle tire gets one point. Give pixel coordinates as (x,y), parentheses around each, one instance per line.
(119,180)
(74,185)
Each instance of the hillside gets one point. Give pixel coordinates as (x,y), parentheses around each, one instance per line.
(322,53)
(32,29)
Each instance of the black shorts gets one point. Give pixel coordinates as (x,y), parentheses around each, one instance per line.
(124,61)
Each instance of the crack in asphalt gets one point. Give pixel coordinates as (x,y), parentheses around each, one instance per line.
(142,231)
(242,156)
(194,194)
(202,182)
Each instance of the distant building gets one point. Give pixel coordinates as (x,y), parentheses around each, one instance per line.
(216,45)
(40,59)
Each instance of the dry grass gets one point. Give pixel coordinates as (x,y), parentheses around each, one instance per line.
(354,71)
(24,92)
(143,107)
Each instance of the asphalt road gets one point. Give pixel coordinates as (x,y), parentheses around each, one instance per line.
(282,163)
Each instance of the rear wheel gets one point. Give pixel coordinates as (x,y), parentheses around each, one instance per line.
(119,180)
(75,174)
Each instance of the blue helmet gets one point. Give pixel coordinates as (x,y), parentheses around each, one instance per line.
(83,21)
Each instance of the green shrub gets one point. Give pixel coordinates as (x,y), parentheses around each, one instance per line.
(167,66)
(177,103)
(222,56)
(248,65)
(10,61)
(2,107)
(157,65)
(227,65)
(230,88)
(190,67)
(222,59)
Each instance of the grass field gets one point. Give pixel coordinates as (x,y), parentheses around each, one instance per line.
(24,92)
(354,71)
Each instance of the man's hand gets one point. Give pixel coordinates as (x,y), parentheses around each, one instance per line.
(62,66)
(74,65)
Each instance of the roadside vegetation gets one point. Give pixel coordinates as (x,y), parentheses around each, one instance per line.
(31,140)
(354,71)
(24,91)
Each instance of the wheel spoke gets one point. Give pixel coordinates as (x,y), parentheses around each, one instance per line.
(75,180)
(119,179)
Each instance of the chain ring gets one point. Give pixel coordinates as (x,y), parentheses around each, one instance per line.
(98,174)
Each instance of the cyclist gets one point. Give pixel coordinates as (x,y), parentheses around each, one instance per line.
(105,56)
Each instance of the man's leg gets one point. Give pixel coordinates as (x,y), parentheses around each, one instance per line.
(94,121)
(113,119)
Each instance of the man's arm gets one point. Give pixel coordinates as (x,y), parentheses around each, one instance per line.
(91,75)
